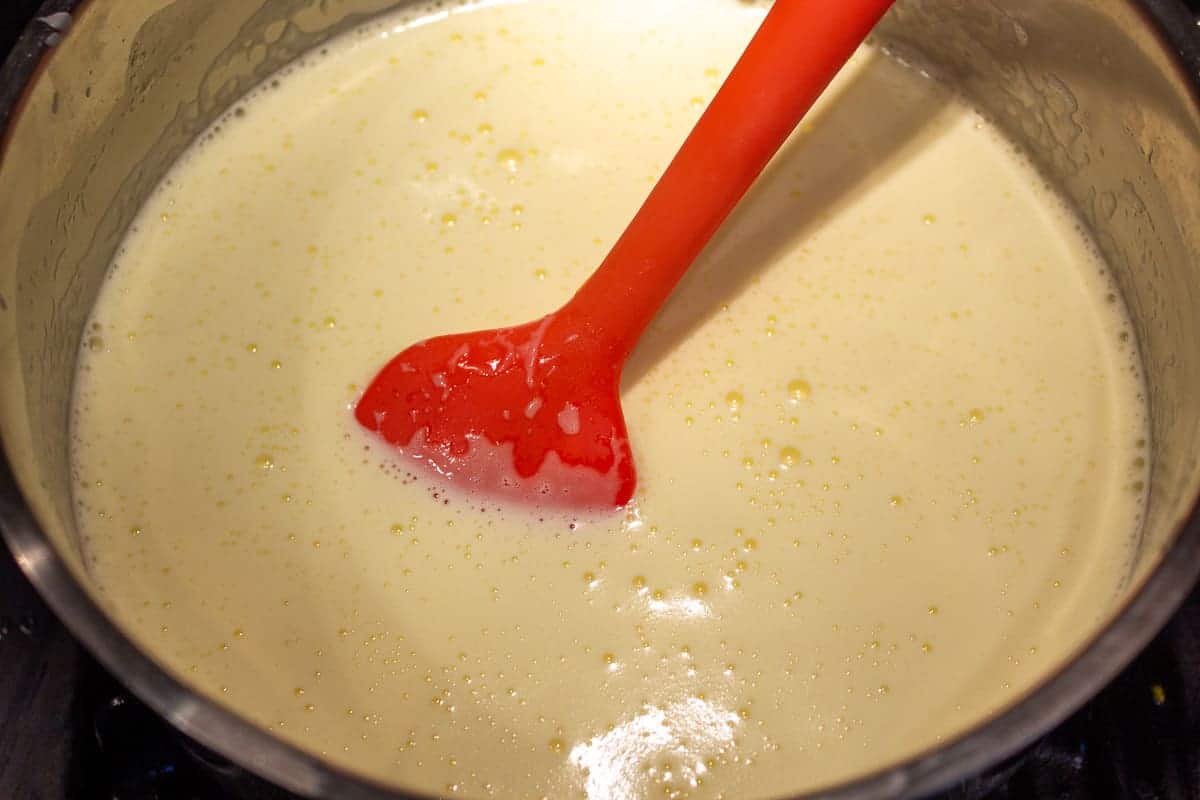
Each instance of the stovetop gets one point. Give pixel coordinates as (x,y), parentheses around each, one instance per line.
(69,731)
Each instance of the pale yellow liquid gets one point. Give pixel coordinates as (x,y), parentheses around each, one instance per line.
(888,430)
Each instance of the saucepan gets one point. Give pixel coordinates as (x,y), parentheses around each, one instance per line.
(101,96)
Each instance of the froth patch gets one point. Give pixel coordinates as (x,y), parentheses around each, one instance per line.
(485,477)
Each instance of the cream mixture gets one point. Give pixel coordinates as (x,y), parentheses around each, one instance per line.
(889,430)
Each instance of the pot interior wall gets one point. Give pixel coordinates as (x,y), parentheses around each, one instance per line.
(1085,87)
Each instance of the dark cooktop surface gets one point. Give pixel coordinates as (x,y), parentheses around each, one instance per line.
(69,731)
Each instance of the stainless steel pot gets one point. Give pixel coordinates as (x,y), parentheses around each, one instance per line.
(102,96)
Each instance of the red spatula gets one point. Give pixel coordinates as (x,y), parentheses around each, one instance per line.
(533,413)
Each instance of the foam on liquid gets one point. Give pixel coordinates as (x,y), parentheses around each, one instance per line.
(889,430)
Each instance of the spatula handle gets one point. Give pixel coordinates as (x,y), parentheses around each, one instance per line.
(794,55)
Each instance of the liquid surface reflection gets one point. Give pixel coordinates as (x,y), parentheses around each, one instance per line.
(664,746)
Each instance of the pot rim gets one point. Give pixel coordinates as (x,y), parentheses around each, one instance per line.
(226,732)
